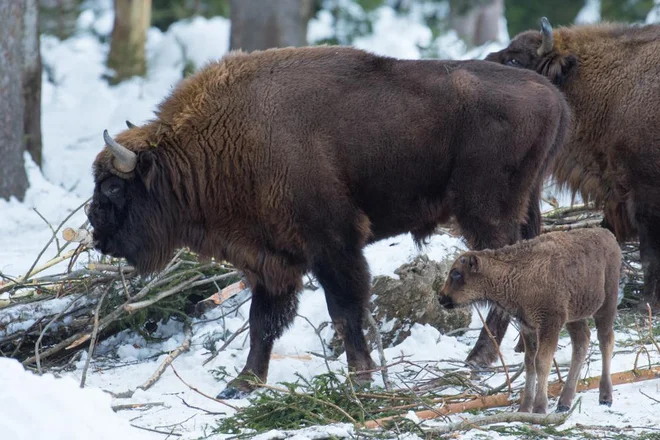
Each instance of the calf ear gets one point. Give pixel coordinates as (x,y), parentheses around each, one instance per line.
(146,168)
(474,263)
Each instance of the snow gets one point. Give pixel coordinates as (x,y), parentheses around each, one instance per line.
(78,104)
(63,410)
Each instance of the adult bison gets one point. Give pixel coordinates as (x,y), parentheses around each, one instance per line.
(292,160)
(610,74)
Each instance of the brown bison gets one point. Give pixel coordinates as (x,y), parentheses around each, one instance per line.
(610,74)
(292,160)
(555,280)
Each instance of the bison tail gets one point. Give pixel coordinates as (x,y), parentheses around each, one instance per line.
(532,228)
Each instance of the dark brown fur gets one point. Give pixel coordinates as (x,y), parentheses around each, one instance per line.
(610,74)
(557,279)
(292,160)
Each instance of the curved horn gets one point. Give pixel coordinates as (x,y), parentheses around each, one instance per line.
(129,124)
(125,160)
(548,39)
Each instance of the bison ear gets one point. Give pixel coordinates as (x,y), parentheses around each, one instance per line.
(146,168)
(474,263)
(557,68)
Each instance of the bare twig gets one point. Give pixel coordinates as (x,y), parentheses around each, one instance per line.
(227,342)
(127,406)
(381,352)
(648,307)
(201,393)
(497,346)
(37,344)
(92,341)
(132,306)
(184,347)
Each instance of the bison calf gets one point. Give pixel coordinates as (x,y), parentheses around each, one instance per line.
(556,279)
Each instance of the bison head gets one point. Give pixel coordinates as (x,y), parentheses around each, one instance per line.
(465,283)
(131,208)
(537,51)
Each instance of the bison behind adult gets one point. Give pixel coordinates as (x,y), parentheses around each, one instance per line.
(292,160)
(610,74)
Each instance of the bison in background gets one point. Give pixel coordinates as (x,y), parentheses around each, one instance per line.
(610,75)
(292,160)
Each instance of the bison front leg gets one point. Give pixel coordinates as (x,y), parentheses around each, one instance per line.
(344,275)
(270,315)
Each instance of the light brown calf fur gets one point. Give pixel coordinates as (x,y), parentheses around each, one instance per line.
(557,279)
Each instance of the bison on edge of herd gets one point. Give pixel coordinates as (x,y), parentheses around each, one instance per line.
(292,160)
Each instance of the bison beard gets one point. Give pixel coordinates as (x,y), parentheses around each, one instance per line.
(613,156)
(292,160)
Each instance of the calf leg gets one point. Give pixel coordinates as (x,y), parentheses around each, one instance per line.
(548,338)
(344,275)
(604,320)
(580,334)
(530,341)
(270,315)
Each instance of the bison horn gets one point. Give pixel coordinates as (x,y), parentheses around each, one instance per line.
(125,160)
(129,124)
(548,39)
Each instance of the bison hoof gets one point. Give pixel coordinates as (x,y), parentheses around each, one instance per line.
(563,408)
(480,360)
(232,393)
(605,402)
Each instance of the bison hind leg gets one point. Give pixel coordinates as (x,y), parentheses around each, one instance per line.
(343,273)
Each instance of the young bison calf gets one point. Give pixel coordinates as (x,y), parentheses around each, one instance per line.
(558,278)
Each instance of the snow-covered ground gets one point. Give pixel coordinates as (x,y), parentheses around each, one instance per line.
(77,105)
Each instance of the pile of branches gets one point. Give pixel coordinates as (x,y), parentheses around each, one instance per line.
(49,320)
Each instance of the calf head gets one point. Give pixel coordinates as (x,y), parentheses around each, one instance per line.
(540,52)
(131,208)
(465,283)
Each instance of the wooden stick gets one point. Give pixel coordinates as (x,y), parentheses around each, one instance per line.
(497,400)
(499,352)
(184,347)
(479,403)
(381,352)
(503,417)
(201,393)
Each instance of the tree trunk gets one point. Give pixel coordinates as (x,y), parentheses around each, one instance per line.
(477,21)
(58,17)
(260,24)
(32,81)
(129,35)
(13,180)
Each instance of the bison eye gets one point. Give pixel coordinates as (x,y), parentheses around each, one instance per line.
(513,62)
(112,187)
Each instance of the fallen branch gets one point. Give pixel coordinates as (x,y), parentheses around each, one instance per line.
(126,406)
(453,408)
(201,393)
(499,400)
(184,347)
(503,417)
(571,226)
(381,352)
(499,352)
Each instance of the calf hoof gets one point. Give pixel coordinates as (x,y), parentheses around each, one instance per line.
(605,402)
(563,408)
